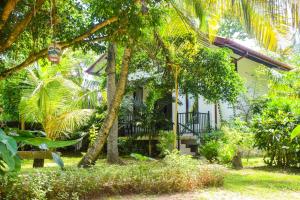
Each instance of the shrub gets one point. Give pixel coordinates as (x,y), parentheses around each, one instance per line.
(166,142)
(234,142)
(223,145)
(272,134)
(174,173)
(210,150)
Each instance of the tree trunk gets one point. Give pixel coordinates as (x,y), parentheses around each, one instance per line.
(94,150)
(112,139)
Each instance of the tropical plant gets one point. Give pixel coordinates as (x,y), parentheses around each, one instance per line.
(9,160)
(273,135)
(38,140)
(54,101)
(166,142)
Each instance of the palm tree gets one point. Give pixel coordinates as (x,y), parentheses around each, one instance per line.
(55,102)
(267,20)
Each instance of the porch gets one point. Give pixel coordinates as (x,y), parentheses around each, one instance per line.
(191,128)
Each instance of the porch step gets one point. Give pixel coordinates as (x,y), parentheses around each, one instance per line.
(184,150)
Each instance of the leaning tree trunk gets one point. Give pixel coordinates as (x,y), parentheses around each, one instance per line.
(112,139)
(94,150)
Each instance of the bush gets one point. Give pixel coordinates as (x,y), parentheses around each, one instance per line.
(173,174)
(166,142)
(272,134)
(223,145)
(210,150)
(233,143)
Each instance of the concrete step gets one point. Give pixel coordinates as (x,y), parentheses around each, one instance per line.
(184,150)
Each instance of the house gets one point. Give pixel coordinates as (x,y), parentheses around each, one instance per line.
(195,115)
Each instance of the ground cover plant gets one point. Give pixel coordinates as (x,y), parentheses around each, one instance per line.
(174,173)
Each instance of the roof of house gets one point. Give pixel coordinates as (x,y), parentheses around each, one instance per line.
(251,54)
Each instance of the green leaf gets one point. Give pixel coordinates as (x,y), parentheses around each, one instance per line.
(7,157)
(49,143)
(17,163)
(295,132)
(57,159)
(9,142)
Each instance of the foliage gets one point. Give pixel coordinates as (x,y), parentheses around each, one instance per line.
(295,132)
(275,125)
(55,102)
(218,81)
(33,139)
(284,90)
(223,145)
(166,142)
(231,27)
(272,134)
(256,17)
(173,174)
(9,160)
(234,141)
(210,150)
(10,96)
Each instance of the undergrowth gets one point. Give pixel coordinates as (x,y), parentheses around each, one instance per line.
(172,174)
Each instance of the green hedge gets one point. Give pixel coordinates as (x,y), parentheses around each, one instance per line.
(173,174)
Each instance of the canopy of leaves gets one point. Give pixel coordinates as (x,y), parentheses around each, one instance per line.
(211,73)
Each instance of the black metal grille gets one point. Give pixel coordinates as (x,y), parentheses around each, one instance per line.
(188,123)
(193,123)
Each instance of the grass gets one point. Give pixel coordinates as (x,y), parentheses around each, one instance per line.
(261,182)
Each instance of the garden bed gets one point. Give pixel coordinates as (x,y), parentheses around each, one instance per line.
(173,174)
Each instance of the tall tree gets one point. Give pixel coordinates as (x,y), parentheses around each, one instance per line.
(112,139)
(94,151)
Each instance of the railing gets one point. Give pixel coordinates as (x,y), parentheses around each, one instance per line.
(188,123)
(193,123)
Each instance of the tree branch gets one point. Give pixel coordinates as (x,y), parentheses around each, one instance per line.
(9,7)
(42,53)
(19,28)
(93,30)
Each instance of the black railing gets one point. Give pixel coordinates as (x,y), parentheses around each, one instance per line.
(193,123)
(188,123)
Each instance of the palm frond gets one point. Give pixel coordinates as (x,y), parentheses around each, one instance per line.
(68,122)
